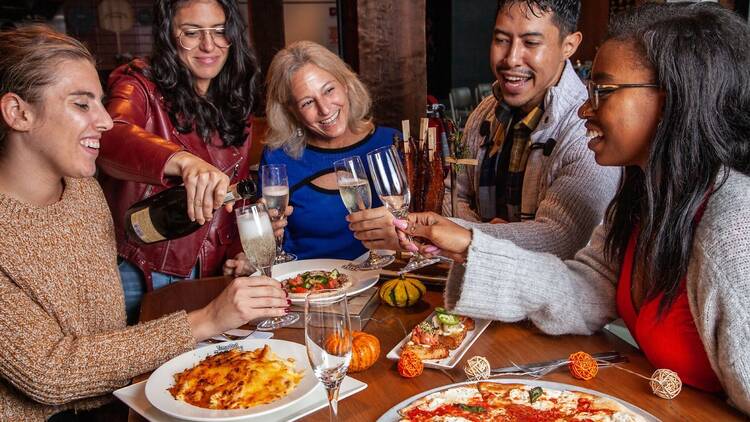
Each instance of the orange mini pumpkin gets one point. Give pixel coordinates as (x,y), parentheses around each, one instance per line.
(365,350)
(409,364)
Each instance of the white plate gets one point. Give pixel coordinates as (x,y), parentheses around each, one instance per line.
(455,355)
(134,396)
(361,280)
(392,414)
(163,378)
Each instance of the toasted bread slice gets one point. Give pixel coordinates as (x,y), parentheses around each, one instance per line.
(452,341)
(427,352)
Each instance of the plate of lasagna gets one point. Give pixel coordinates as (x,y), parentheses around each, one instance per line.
(232,380)
(442,339)
(299,278)
(514,399)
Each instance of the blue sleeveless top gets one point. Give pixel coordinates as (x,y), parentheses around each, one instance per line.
(317,228)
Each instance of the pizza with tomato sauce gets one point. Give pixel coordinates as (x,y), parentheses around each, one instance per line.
(489,401)
(311,281)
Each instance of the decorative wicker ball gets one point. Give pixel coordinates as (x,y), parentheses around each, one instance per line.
(666,383)
(583,366)
(477,368)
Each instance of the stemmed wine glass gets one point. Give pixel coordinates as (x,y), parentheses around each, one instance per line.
(256,233)
(390,182)
(328,339)
(354,187)
(276,194)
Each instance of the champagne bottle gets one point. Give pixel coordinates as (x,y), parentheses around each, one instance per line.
(164,216)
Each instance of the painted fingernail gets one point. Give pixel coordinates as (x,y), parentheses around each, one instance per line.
(289,302)
(431,249)
(401,224)
(412,247)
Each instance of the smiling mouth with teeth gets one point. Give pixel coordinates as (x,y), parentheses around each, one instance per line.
(331,119)
(594,133)
(90,144)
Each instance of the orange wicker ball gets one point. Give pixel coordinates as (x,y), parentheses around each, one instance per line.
(409,365)
(583,366)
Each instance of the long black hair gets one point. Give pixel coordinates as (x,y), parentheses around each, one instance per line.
(699,54)
(231,96)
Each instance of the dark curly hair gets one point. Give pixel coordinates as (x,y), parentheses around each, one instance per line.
(564,12)
(699,54)
(231,97)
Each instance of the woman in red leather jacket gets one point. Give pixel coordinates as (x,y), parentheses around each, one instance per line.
(181,117)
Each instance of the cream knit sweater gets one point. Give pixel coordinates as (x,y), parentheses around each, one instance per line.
(504,282)
(63,339)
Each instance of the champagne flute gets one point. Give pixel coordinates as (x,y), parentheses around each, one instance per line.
(390,182)
(328,339)
(354,187)
(256,234)
(276,194)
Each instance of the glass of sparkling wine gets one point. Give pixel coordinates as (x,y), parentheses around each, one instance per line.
(259,244)
(390,182)
(276,194)
(328,339)
(354,187)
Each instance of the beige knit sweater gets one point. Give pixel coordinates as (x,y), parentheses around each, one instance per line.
(63,339)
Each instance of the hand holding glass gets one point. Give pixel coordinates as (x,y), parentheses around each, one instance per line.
(390,182)
(354,187)
(258,242)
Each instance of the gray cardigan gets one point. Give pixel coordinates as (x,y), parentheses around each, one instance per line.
(570,190)
(503,282)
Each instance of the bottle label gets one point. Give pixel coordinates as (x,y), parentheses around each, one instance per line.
(144,228)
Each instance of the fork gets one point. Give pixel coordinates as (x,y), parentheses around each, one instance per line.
(229,337)
(233,337)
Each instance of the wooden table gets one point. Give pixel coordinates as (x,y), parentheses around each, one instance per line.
(501,343)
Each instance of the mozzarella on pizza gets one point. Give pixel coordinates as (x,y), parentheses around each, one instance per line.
(487,401)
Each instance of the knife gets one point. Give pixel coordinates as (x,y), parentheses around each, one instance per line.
(612,357)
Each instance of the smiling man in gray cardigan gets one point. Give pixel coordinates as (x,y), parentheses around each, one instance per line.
(553,201)
(535,172)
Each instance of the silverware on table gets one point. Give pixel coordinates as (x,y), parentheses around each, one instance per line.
(611,357)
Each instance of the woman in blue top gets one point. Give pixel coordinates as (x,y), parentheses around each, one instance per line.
(318,112)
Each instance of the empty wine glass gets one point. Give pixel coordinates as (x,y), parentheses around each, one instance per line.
(328,339)
(354,187)
(256,234)
(390,182)
(276,194)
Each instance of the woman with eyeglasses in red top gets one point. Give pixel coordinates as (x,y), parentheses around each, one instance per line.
(669,101)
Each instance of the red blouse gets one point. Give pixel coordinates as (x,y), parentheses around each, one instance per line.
(671,342)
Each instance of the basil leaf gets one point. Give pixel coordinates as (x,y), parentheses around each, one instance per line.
(473,409)
(534,394)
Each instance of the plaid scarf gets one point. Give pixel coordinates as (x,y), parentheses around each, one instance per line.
(496,129)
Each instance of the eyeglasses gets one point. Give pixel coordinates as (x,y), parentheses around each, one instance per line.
(191,38)
(597,92)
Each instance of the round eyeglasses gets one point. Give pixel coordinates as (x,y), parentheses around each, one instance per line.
(598,92)
(191,38)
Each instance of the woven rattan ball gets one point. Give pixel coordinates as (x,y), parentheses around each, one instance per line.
(666,384)
(477,368)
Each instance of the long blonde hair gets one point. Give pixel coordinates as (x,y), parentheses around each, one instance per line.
(283,125)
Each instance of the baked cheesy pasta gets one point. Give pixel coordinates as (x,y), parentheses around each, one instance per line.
(236,380)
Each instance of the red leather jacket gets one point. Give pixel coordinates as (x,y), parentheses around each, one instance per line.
(132,159)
